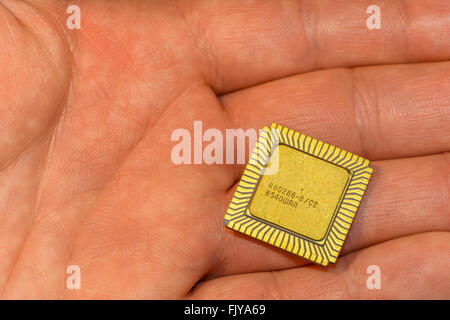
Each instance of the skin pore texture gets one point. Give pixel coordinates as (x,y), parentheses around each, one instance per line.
(86,118)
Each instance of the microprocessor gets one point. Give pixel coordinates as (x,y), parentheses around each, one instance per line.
(299,194)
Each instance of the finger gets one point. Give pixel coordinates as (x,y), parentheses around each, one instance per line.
(413,267)
(404,197)
(244,44)
(379,112)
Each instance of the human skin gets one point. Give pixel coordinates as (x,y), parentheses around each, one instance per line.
(86,118)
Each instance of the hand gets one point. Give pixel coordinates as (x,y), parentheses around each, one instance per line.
(86,118)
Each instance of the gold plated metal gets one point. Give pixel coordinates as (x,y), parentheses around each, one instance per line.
(305,205)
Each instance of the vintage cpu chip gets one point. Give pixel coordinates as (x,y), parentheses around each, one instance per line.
(299,194)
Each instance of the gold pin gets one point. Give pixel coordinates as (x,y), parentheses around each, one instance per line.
(299,194)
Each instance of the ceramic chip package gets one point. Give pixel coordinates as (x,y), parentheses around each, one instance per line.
(299,194)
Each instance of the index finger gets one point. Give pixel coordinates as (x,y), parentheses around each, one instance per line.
(246,43)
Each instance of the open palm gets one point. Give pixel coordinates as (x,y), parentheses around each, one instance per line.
(86,117)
